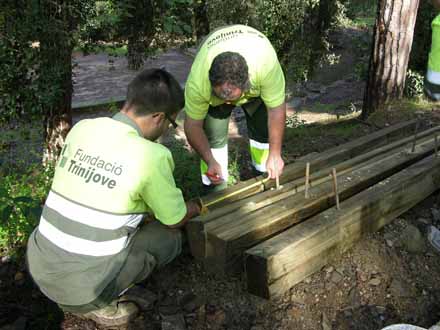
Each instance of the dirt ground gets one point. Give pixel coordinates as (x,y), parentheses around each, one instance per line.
(392,276)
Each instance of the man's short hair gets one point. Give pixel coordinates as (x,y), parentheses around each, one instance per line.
(154,90)
(229,67)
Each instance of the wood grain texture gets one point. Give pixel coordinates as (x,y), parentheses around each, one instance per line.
(229,211)
(279,263)
(227,241)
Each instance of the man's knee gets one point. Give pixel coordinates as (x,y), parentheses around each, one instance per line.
(162,242)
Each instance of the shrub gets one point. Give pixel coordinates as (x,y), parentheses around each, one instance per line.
(296,29)
(22,196)
(414,84)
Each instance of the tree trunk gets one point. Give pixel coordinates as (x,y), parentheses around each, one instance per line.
(393,36)
(56,76)
(135,52)
(139,18)
(58,115)
(200,19)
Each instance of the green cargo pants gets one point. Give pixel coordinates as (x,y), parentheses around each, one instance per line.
(216,126)
(432,78)
(154,245)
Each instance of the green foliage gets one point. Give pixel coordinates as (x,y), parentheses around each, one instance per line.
(221,13)
(414,84)
(176,17)
(17,62)
(21,198)
(36,35)
(359,13)
(187,170)
(293,121)
(100,25)
(293,27)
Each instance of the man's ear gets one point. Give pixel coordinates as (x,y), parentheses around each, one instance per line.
(158,118)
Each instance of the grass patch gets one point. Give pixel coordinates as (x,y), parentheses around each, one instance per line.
(344,130)
(307,139)
(402,110)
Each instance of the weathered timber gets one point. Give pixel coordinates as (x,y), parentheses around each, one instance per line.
(227,242)
(279,263)
(295,170)
(196,227)
(343,152)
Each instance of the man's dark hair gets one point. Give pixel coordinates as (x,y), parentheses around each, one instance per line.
(229,67)
(154,90)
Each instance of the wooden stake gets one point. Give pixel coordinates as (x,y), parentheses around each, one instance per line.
(415,137)
(335,187)
(277,176)
(436,146)
(306,188)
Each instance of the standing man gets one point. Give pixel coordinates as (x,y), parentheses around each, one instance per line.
(432,79)
(91,243)
(235,66)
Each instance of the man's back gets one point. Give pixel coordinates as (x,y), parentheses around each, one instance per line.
(106,175)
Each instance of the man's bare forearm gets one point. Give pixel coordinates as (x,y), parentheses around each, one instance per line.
(197,139)
(276,124)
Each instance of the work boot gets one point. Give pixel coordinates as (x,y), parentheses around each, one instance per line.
(116,314)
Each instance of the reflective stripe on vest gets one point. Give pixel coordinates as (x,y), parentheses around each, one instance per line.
(78,245)
(259,154)
(91,217)
(79,229)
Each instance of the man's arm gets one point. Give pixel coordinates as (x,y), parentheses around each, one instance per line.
(192,210)
(276,124)
(197,139)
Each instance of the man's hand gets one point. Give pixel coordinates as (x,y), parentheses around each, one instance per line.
(197,139)
(277,119)
(274,165)
(214,172)
(192,210)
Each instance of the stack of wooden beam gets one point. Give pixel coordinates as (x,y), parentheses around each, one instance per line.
(280,236)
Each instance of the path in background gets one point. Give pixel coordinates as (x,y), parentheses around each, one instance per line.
(102,79)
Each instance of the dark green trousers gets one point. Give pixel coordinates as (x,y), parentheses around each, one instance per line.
(216,126)
(217,122)
(154,245)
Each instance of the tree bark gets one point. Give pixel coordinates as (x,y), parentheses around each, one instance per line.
(140,30)
(136,51)
(200,19)
(56,75)
(58,115)
(393,37)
